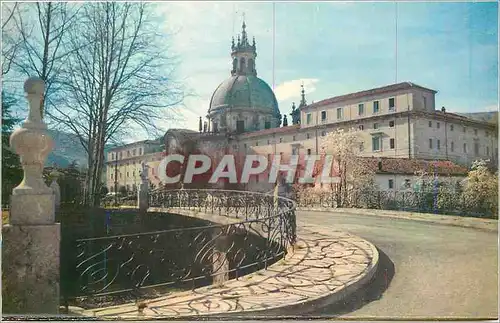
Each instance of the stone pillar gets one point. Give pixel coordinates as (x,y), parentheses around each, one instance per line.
(30,253)
(55,188)
(220,259)
(142,194)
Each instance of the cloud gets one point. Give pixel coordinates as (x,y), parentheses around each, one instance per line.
(291,89)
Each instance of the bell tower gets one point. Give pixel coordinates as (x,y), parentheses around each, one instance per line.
(243,54)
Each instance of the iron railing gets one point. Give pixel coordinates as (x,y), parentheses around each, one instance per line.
(258,232)
(424,202)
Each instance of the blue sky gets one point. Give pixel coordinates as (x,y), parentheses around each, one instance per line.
(340,47)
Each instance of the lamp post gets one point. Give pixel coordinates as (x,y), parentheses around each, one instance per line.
(116,179)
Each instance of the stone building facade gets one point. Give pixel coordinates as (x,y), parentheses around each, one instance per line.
(395,121)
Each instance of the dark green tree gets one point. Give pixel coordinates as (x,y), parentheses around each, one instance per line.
(12,172)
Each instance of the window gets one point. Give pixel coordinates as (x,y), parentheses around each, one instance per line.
(465,130)
(407,183)
(268,141)
(392,104)
(133,173)
(140,151)
(323,133)
(361,127)
(391,124)
(375,126)
(439,144)
(451,127)
(257,143)
(267,125)
(257,178)
(309,118)
(323,115)
(391,143)
(476,148)
(452,146)
(281,140)
(391,184)
(309,151)
(294,151)
(375,107)
(121,155)
(487,151)
(293,138)
(133,152)
(245,146)
(128,153)
(339,113)
(430,143)
(376,143)
(465,148)
(361,109)
(475,132)
(235,147)
(362,146)
(308,136)
(425,102)
(128,175)
(438,125)
(430,124)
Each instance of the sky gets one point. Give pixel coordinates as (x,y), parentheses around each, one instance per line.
(335,48)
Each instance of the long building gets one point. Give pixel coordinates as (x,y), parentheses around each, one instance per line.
(395,121)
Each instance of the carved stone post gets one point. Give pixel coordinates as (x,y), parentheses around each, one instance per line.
(142,196)
(220,259)
(30,253)
(55,187)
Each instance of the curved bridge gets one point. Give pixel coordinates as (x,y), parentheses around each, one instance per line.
(259,231)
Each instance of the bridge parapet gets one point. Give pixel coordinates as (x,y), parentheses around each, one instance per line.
(248,232)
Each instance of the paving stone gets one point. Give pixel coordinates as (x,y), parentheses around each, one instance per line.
(322,263)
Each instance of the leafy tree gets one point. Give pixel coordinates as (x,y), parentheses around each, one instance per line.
(356,177)
(12,172)
(480,193)
(70,181)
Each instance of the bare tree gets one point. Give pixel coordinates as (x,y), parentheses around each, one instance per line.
(117,76)
(11,38)
(37,41)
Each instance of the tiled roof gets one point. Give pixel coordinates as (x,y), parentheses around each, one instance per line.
(411,166)
(404,166)
(271,131)
(380,90)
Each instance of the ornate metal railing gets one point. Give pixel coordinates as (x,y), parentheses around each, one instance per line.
(425,202)
(258,232)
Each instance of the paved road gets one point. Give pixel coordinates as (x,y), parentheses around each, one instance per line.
(430,270)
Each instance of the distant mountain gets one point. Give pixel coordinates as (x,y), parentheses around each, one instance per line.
(67,148)
(491,116)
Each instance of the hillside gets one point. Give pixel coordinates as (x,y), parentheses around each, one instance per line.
(491,116)
(67,148)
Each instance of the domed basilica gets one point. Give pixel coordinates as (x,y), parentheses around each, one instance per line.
(243,102)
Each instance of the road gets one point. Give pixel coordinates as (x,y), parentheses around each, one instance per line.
(426,270)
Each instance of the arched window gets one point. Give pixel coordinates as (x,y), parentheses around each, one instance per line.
(250,65)
(242,64)
(235,64)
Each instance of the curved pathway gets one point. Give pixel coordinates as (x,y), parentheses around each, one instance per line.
(323,268)
(437,271)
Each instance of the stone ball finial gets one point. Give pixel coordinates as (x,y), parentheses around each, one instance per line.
(34,85)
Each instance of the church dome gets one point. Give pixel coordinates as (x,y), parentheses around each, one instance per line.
(244,91)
